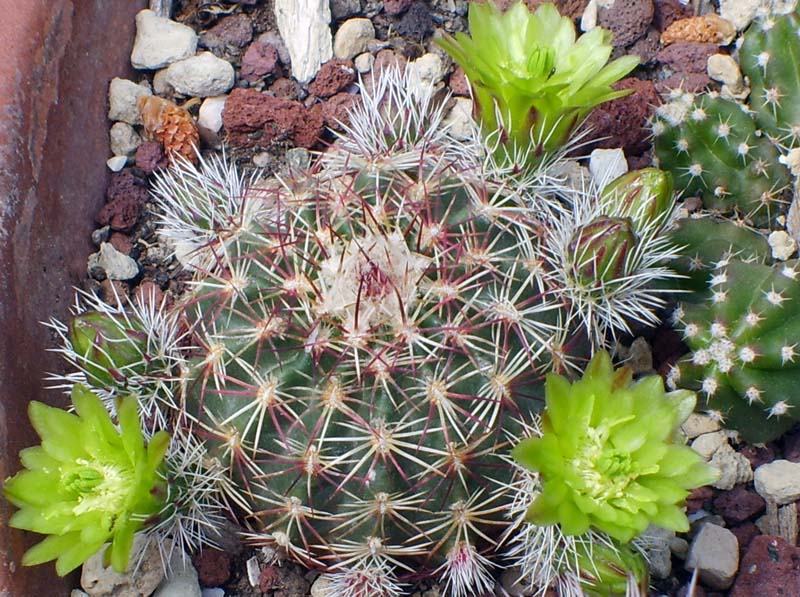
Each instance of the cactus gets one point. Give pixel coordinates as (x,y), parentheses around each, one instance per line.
(365,342)
(728,151)
(744,347)
(712,147)
(706,241)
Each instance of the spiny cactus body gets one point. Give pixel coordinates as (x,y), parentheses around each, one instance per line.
(744,341)
(365,341)
(727,151)
(706,241)
(712,148)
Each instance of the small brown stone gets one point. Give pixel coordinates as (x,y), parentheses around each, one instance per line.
(259,60)
(150,157)
(120,214)
(333,77)
(213,566)
(770,567)
(738,504)
(458,82)
(335,110)
(697,498)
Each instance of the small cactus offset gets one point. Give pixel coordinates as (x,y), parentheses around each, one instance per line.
(745,360)
(728,151)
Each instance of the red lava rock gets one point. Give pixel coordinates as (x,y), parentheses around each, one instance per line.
(150,157)
(213,566)
(668,11)
(121,242)
(334,76)
(744,534)
(284,88)
(396,7)
(697,498)
(646,47)
(388,58)
(148,292)
(623,122)
(626,19)
(268,578)
(120,214)
(114,292)
(458,82)
(689,82)
(235,31)
(791,446)
(335,110)
(770,567)
(637,162)
(758,455)
(125,184)
(259,60)
(309,127)
(738,504)
(687,56)
(417,23)
(253,119)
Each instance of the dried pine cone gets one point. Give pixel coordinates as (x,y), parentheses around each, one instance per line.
(708,28)
(171,125)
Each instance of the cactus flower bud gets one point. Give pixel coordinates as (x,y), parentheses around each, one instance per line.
(600,249)
(611,569)
(645,196)
(87,483)
(607,456)
(104,348)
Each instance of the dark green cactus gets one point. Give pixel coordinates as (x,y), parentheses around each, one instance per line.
(728,151)
(708,241)
(712,148)
(745,341)
(769,56)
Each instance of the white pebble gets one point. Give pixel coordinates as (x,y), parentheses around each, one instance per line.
(352,38)
(782,245)
(122,97)
(116,163)
(160,42)
(203,75)
(606,165)
(778,481)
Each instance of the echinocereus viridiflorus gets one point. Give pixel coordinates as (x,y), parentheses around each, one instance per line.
(532,79)
(608,457)
(88,483)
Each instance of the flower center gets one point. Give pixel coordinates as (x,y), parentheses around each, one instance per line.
(604,470)
(98,486)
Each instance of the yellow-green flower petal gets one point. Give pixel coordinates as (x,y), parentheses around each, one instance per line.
(605,456)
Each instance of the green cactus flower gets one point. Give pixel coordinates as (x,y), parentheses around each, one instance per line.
(607,455)
(532,80)
(87,483)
